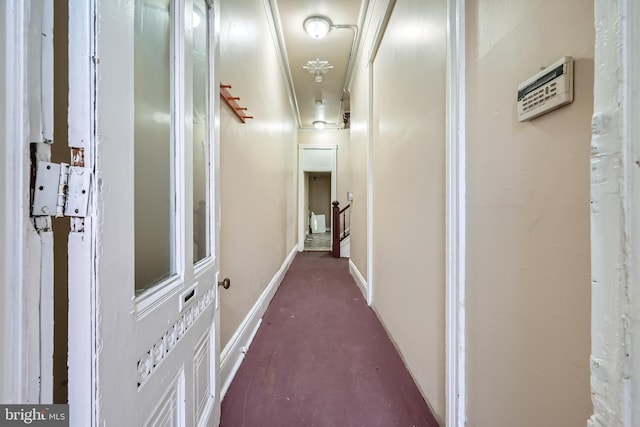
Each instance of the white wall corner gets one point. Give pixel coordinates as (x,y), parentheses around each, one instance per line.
(360,281)
(233,353)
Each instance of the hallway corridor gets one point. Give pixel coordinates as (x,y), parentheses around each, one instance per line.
(321,358)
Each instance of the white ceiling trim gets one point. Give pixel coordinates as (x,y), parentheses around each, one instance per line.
(273,18)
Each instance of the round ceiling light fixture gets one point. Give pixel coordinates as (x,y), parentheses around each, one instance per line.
(317,26)
(319,124)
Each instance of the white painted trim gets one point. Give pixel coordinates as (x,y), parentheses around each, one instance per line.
(46,318)
(82,387)
(615,228)
(369,171)
(273,19)
(80,45)
(455,376)
(373,50)
(46,84)
(46,237)
(211,407)
(632,61)
(14,333)
(157,295)
(178,147)
(214,126)
(233,353)
(301,197)
(82,337)
(359,279)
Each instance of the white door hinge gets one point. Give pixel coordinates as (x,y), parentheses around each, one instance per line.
(61,190)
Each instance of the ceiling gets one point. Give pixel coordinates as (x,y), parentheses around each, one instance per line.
(328,99)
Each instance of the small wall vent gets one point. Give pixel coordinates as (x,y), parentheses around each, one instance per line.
(551,88)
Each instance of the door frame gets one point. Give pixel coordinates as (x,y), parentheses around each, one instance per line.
(455,256)
(615,211)
(302,148)
(82,337)
(19,323)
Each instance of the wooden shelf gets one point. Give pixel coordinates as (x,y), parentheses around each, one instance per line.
(232,102)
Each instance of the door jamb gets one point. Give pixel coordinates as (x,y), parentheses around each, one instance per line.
(15,386)
(301,195)
(387,9)
(615,228)
(82,308)
(455,370)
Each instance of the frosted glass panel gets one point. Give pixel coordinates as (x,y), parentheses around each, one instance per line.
(154,189)
(201,222)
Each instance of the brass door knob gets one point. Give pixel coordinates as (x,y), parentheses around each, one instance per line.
(225,283)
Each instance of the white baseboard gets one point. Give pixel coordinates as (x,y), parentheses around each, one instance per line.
(233,353)
(360,281)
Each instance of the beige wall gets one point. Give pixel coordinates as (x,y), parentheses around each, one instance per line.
(528,300)
(359,150)
(408,185)
(409,188)
(258,167)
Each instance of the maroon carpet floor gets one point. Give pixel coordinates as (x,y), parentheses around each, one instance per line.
(321,358)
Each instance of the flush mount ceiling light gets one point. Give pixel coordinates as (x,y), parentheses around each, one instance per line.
(319,124)
(317,26)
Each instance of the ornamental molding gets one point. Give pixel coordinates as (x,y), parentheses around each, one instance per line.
(149,362)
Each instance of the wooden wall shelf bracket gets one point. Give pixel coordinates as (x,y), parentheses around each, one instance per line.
(231,101)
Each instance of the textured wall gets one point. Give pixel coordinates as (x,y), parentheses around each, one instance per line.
(528,301)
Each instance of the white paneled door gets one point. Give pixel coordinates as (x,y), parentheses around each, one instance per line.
(143,281)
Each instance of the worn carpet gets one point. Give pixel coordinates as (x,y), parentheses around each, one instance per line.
(321,358)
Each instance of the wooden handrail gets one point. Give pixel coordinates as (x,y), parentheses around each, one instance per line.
(339,231)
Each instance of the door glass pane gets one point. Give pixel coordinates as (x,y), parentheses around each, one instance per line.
(200,131)
(153,182)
